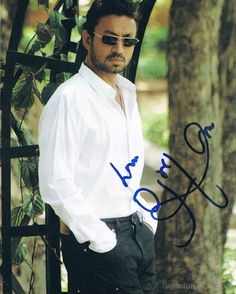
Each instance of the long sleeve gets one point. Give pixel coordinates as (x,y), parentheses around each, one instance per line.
(60,137)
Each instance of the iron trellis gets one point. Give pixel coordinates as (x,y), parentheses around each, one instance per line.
(51,229)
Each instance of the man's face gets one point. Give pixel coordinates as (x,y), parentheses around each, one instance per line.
(111,58)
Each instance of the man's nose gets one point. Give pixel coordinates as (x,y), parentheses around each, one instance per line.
(119,46)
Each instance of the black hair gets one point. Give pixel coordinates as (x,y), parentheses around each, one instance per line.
(101,8)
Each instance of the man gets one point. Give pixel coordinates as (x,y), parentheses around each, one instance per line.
(89,135)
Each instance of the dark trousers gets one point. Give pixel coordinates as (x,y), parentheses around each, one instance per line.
(129,268)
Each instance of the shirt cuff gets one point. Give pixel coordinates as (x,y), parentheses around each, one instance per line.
(105,244)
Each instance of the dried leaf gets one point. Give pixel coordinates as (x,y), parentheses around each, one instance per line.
(22,94)
(44,33)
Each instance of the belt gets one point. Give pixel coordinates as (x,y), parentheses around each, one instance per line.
(64,230)
(131,218)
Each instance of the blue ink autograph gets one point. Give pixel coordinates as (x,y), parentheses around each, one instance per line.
(124,178)
(203,136)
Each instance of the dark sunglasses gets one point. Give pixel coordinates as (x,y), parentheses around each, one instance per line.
(112,40)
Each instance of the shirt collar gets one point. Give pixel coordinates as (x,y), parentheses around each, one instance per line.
(100,85)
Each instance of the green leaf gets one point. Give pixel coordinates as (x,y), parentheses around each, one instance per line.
(55,19)
(80,20)
(37,46)
(17,215)
(45,3)
(33,205)
(68,3)
(22,94)
(37,72)
(47,92)
(29,173)
(25,135)
(38,205)
(27,205)
(62,77)
(55,22)
(20,254)
(40,76)
(36,91)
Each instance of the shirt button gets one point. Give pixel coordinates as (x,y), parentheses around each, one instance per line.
(85,250)
(113,230)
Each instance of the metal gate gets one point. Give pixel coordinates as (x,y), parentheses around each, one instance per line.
(50,230)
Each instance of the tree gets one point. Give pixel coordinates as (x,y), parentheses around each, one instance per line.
(227,72)
(201,70)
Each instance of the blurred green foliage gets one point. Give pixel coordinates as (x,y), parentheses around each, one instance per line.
(152,62)
(229,270)
(155,128)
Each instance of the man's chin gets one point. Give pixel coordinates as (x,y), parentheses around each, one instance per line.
(117,69)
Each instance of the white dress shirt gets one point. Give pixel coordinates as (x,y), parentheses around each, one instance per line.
(82,130)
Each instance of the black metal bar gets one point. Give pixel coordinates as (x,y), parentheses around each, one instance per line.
(32,230)
(145,10)
(81,55)
(52,266)
(38,61)
(24,151)
(15,284)
(53,269)
(6,176)
(17,27)
(71,47)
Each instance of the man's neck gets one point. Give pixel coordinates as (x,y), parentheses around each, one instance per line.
(109,78)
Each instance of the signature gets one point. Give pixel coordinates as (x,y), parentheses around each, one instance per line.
(203,136)
(127,167)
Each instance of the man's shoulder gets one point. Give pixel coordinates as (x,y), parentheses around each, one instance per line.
(73,88)
(75,83)
(70,95)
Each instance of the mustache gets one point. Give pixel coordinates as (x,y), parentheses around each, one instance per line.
(116,55)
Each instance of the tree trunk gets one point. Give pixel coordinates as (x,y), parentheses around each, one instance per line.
(227,72)
(193,97)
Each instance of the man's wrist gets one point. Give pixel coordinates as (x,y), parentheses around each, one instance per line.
(105,246)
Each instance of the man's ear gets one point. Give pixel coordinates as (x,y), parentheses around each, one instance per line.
(86,39)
